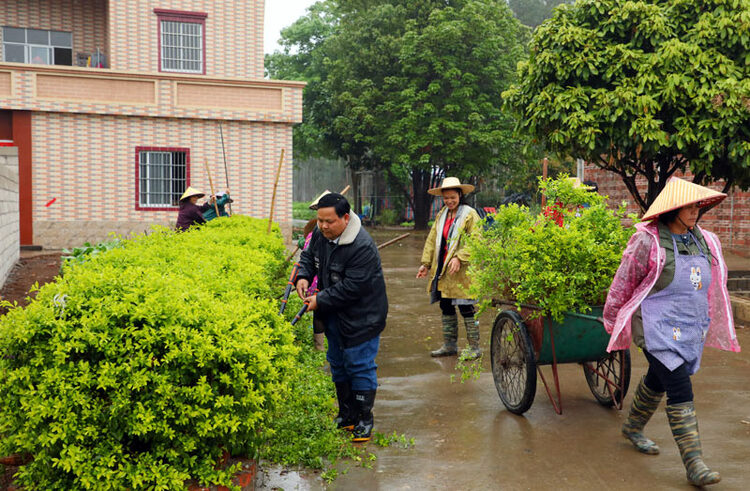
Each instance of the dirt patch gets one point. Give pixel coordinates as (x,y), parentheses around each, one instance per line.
(29,270)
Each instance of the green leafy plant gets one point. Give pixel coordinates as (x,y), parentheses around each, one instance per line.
(82,254)
(561,259)
(301,211)
(388,217)
(138,367)
(392,440)
(470,369)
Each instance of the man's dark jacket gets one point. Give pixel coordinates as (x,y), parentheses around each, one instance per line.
(350,280)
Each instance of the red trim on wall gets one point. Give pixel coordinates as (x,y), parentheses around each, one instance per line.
(22,139)
(180,16)
(138,150)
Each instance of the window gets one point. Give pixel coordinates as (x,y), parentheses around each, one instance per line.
(181,41)
(39,46)
(162,175)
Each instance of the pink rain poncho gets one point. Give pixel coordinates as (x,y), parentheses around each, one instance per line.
(641,265)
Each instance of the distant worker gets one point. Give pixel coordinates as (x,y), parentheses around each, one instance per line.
(352,305)
(446,258)
(190,213)
(222,199)
(670,297)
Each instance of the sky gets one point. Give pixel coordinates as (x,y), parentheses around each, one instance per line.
(280,14)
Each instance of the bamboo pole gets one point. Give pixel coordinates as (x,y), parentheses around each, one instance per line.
(273,196)
(211,183)
(544,175)
(226,171)
(393,241)
(346,189)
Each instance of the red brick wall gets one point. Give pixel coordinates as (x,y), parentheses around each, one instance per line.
(730,220)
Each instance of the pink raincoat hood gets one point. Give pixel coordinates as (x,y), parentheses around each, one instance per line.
(641,265)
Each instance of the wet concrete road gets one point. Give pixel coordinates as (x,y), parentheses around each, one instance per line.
(466,439)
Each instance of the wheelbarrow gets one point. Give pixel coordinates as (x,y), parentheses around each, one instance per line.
(523,341)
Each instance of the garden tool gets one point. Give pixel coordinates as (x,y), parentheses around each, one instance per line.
(347,416)
(644,405)
(472,335)
(289,286)
(450,337)
(364,400)
(684,426)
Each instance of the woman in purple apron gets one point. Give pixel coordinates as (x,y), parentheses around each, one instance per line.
(669,295)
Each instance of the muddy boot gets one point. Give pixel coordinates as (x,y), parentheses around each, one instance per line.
(347,416)
(319,340)
(472,334)
(364,400)
(450,337)
(684,426)
(644,404)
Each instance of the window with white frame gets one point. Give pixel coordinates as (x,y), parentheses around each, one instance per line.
(162,178)
(21,45)
(181,46)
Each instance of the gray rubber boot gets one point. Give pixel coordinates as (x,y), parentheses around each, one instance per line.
(644,405)
(450,337)
(472,334)
(684,426)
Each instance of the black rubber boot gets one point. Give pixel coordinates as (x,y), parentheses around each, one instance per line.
(347,416)
(364,401)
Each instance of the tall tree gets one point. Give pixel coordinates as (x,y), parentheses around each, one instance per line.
(643,88)
(417,82)
(533,12)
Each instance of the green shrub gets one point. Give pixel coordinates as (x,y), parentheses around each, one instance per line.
(301,211)
(531,259)
(86,251)
(136,367)
(388,217)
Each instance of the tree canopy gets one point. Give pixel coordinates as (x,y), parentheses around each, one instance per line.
(643,88)
(408,86)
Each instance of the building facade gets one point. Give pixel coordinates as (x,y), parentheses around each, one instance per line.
(730,220)
(116,106)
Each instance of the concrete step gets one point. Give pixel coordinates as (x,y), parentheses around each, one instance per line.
(738,284)
(741,309)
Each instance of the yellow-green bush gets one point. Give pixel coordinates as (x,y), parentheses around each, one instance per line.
(136,367)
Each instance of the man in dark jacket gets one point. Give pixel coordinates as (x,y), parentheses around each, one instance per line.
(351,303)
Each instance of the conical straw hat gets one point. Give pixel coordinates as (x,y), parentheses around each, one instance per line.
(678,193)
(191,191)
(451,183)
(314,204)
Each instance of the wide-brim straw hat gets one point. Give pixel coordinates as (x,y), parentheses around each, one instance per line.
(191,191)
(451,183)
(314,204)
(678,193)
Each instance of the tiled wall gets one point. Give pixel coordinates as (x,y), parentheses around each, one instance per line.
(234,35)
(87,20)
(730,220)
(86,163)
(127,30)
(9,235)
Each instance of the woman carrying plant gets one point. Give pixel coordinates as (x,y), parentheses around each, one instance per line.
(669,295)
(190,213)
(446,258)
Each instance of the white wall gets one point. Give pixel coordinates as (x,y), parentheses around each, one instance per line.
(9,222)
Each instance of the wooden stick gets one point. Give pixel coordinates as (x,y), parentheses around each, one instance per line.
(393,241)
(345,190)
(275,185)
(544,176)
(226,171)
(290,256)
(211,183)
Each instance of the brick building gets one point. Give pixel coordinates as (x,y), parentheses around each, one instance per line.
(115,106)
(730,220)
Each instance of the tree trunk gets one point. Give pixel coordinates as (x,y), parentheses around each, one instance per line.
(422,200)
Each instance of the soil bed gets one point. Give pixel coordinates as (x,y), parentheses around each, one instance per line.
(30,269)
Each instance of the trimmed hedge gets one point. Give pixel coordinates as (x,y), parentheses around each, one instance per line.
(135,368)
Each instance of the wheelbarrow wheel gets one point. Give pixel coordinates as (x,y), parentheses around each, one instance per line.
(513,362)
(608,368)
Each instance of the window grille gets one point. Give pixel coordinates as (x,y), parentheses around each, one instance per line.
(21,45)
(181,46)
(162,178)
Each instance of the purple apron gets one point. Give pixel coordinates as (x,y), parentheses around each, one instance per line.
(675,319)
